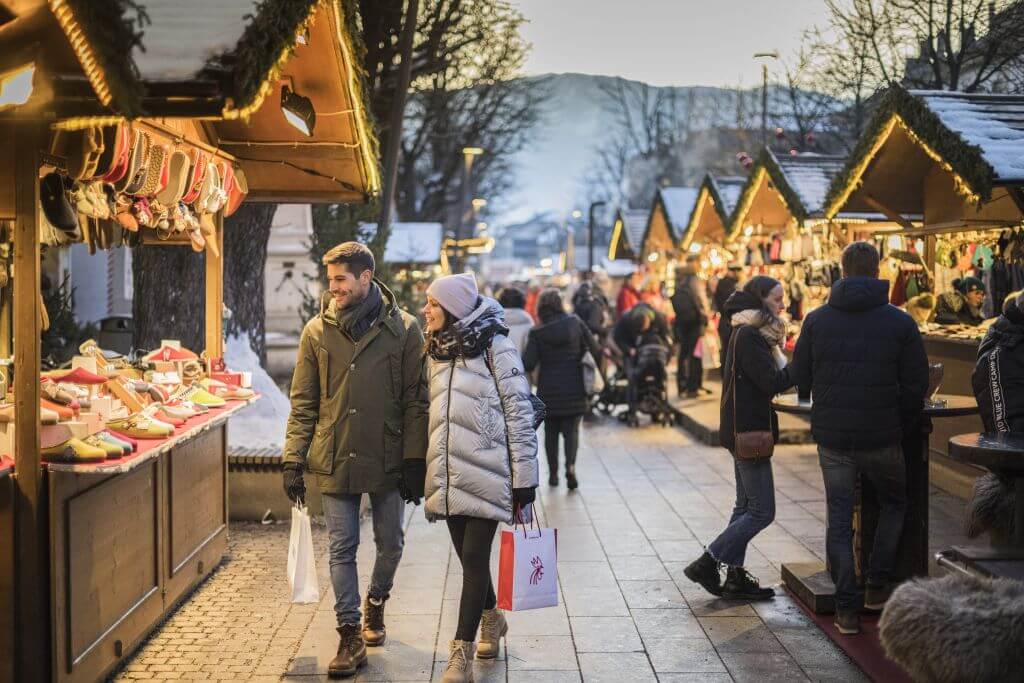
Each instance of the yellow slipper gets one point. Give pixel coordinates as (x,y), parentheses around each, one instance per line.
(74,450)
(140,427)
(109,449)
(202,397)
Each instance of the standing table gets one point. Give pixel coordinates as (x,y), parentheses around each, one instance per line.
(810,581)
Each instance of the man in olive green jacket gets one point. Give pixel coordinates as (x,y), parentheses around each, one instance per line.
(359,423)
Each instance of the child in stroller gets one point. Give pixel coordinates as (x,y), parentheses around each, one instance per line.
(641,339)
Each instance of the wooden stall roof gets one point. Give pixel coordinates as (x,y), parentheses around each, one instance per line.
(975,140)
(716,200)
(667,220)
(223,62)
(628,234)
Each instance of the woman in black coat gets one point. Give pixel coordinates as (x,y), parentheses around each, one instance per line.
(557,346)
(754,372)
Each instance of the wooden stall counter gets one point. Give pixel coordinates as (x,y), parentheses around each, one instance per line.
(130,538)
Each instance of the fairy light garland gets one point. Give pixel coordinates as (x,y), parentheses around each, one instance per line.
(698,213)
(82,49)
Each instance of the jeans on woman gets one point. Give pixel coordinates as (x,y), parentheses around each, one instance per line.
(755,510)
(568,428)
(472,538)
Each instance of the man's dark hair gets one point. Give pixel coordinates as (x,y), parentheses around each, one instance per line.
(356,257)
(860,259)
(512,297)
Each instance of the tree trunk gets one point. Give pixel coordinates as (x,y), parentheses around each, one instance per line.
(168,301)
(246,235)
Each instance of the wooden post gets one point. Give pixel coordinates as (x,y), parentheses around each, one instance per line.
(215,294)
(32,570)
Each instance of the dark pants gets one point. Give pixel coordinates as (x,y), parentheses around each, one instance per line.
(753,512)
(887,471)
(724,332)
(568,428)
(689,370)
(472,538)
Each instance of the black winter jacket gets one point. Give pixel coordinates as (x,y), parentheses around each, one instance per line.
(864,363)
(998,377)
(758,380)
(690,316)
(556,347)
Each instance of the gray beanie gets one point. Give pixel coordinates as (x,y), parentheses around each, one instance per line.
(457,294)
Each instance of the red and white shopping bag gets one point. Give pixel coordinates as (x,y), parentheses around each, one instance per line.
(527,569)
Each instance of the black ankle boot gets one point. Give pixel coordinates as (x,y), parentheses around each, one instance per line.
(740,585)
(570,478)
(704,570)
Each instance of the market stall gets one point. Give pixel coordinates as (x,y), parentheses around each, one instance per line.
(120,132)
(628,235)
(660,247)
(954,160)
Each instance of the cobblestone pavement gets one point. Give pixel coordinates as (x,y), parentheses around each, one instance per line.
(649,499)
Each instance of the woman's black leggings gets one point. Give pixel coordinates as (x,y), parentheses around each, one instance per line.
(472,538)
(567,427)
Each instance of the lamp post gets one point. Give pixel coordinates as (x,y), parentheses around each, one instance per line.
(468,154)
(764,92)
(590,237)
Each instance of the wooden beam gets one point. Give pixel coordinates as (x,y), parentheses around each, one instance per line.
(215,294)
(32,604)
(894,216)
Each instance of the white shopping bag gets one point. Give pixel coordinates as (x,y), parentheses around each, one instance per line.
(301,560)
(527,569)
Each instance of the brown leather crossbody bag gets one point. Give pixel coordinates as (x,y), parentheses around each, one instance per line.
(756,445)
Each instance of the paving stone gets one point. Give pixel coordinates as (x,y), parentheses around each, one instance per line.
(762,667)
(605,634)
(614,668)
(659,623)
(541,653)
(671,654)
(740,634)
(638,568)
(651,594)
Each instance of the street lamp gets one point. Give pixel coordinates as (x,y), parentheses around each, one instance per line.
(590,236)
(577,214)
(765,56)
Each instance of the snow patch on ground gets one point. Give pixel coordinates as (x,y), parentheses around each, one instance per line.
(261,425)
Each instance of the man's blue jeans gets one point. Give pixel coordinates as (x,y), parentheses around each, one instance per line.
(341,512)
(753,512)
(887,471)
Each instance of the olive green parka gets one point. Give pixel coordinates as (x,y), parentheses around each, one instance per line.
(358,409)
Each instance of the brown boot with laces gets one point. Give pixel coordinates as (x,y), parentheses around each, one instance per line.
(460,663)
(374,632)
(493,628)
(351,652)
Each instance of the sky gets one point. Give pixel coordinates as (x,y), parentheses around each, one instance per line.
(665,42)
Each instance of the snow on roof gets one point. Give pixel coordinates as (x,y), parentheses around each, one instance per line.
(729,189)
(634,224)
(810,175)
(994,123)
(183,34)
(411,242)
(678,203)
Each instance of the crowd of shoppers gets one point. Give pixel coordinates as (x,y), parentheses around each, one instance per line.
(456,418)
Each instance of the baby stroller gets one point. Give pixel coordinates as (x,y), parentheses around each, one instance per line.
(645,378)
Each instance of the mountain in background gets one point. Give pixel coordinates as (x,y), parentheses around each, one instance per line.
(577,117)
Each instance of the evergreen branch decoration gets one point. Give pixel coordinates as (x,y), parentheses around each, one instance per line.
(104,48)
(974,176)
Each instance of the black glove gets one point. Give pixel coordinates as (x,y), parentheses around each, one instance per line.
(523,497)
(294,486)
(410,482)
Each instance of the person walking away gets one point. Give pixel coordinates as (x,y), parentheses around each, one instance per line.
(726,286)
(754,372)
(629,295)
(517,319)
(358,431)
(998,378)
(591,307)
(864,364)
(482,454)
(691,320)
(556,348)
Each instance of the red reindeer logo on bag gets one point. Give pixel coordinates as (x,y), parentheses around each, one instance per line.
(538,571)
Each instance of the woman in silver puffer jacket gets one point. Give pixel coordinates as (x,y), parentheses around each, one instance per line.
(482,449)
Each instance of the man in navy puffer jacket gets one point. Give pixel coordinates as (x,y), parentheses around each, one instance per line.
(864,363)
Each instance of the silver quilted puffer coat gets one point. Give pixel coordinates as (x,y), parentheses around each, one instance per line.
(481,442)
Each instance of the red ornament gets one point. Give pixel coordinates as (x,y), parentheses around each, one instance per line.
(793,152)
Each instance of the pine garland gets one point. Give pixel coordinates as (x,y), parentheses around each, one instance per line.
(965,160)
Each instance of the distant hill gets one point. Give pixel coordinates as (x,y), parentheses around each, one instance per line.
(576,118)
